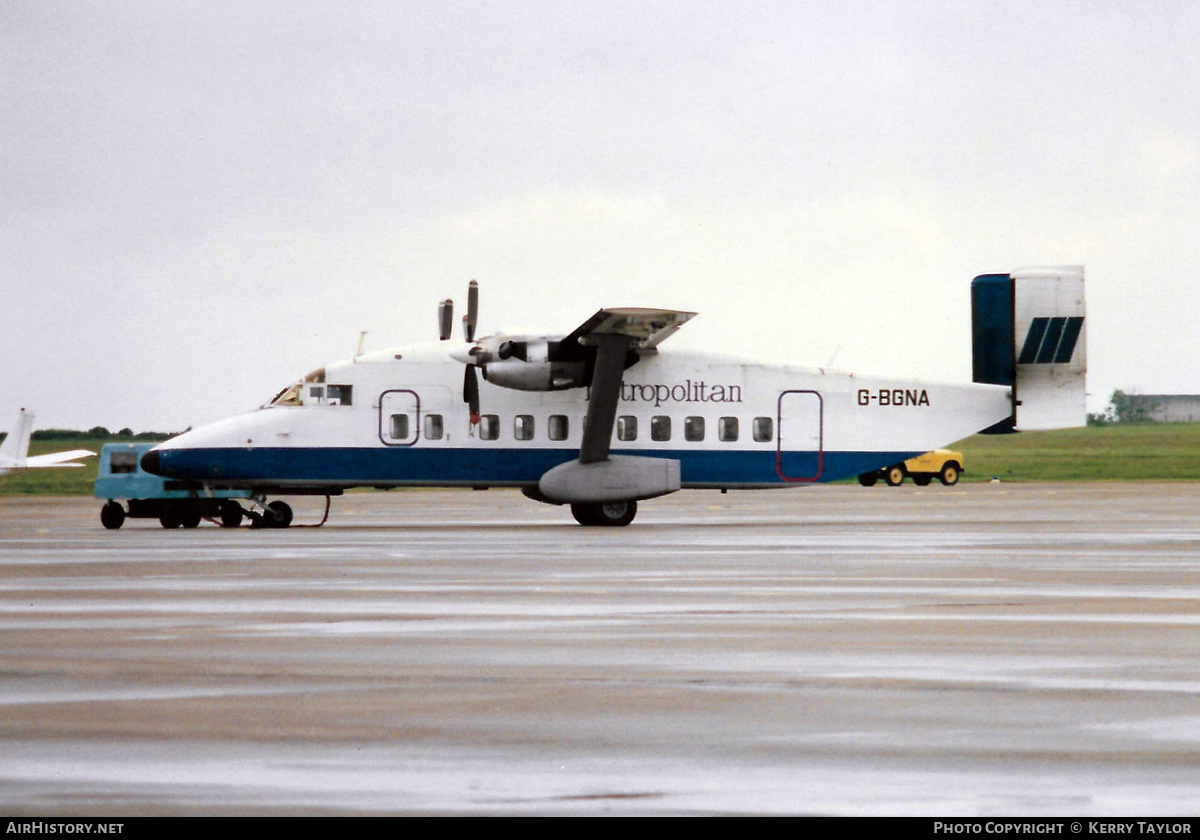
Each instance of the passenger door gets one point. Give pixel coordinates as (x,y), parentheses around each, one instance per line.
(800,445)
(399,417)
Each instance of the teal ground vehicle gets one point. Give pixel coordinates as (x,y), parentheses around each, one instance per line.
(173,503)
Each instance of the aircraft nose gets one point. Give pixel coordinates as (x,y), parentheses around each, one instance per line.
(150,462)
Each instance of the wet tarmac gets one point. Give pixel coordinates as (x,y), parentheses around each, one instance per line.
(1007,650)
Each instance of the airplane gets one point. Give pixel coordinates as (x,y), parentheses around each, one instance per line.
(603,417)
(14,452)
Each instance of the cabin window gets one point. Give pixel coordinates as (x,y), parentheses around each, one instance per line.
(660,427)
(433,427)
(523,427)
(340,395)
(399,427)
(123,462)
(693,429)
(727,429)
(558,427)
(316,394)
(489,427)
(764,429)
(627,427)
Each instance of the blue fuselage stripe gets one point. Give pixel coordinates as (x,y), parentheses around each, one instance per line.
(351,466)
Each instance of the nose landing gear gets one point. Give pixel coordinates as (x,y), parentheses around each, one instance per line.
(274,514)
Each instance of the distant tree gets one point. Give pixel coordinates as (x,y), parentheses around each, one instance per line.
(125,433)
(1124,408)
(98,432)
(153,435)
(57,434)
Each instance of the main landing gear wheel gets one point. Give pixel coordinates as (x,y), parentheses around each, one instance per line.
(894,476)
(609,514)
(868,479)
(112,516)
(922,480)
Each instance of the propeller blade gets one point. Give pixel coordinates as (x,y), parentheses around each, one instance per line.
(445,318)
(472,316)
(471,392)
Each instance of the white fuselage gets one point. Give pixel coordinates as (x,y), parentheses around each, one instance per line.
(397,418)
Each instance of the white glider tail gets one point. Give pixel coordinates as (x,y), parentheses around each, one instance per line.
(14,452)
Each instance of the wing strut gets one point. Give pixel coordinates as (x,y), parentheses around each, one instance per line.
(611,350)
(596,477)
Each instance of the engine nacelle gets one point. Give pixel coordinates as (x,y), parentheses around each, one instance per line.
(535,376)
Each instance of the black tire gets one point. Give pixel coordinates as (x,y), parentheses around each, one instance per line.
(894,476)
(605,514)
(922,480)
(279,515)
(950,473)
(190,517)
(171,517)
(231,514)
(868,479)
(584,514)
(112,516)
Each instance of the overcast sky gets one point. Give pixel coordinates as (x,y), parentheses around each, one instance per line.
(204,200)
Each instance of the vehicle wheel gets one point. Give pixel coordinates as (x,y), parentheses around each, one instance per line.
(231,514)
(610,514)
(112,516)
(922,480)
(171,517)
(190,517)
(894,476)
(279,515)
(868,479)
(950,473)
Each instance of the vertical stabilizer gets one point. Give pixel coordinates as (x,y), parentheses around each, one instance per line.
(16,445)
(1051,331)
(1029,332)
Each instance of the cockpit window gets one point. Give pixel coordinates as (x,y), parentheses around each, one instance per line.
(312,390)
(339,394)
(288,396)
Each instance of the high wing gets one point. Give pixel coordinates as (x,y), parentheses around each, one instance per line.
(646,328)
(549,363)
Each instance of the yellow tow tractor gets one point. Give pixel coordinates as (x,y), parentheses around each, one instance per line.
(943,464)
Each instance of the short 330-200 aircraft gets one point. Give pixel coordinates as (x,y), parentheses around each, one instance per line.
(600,418)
